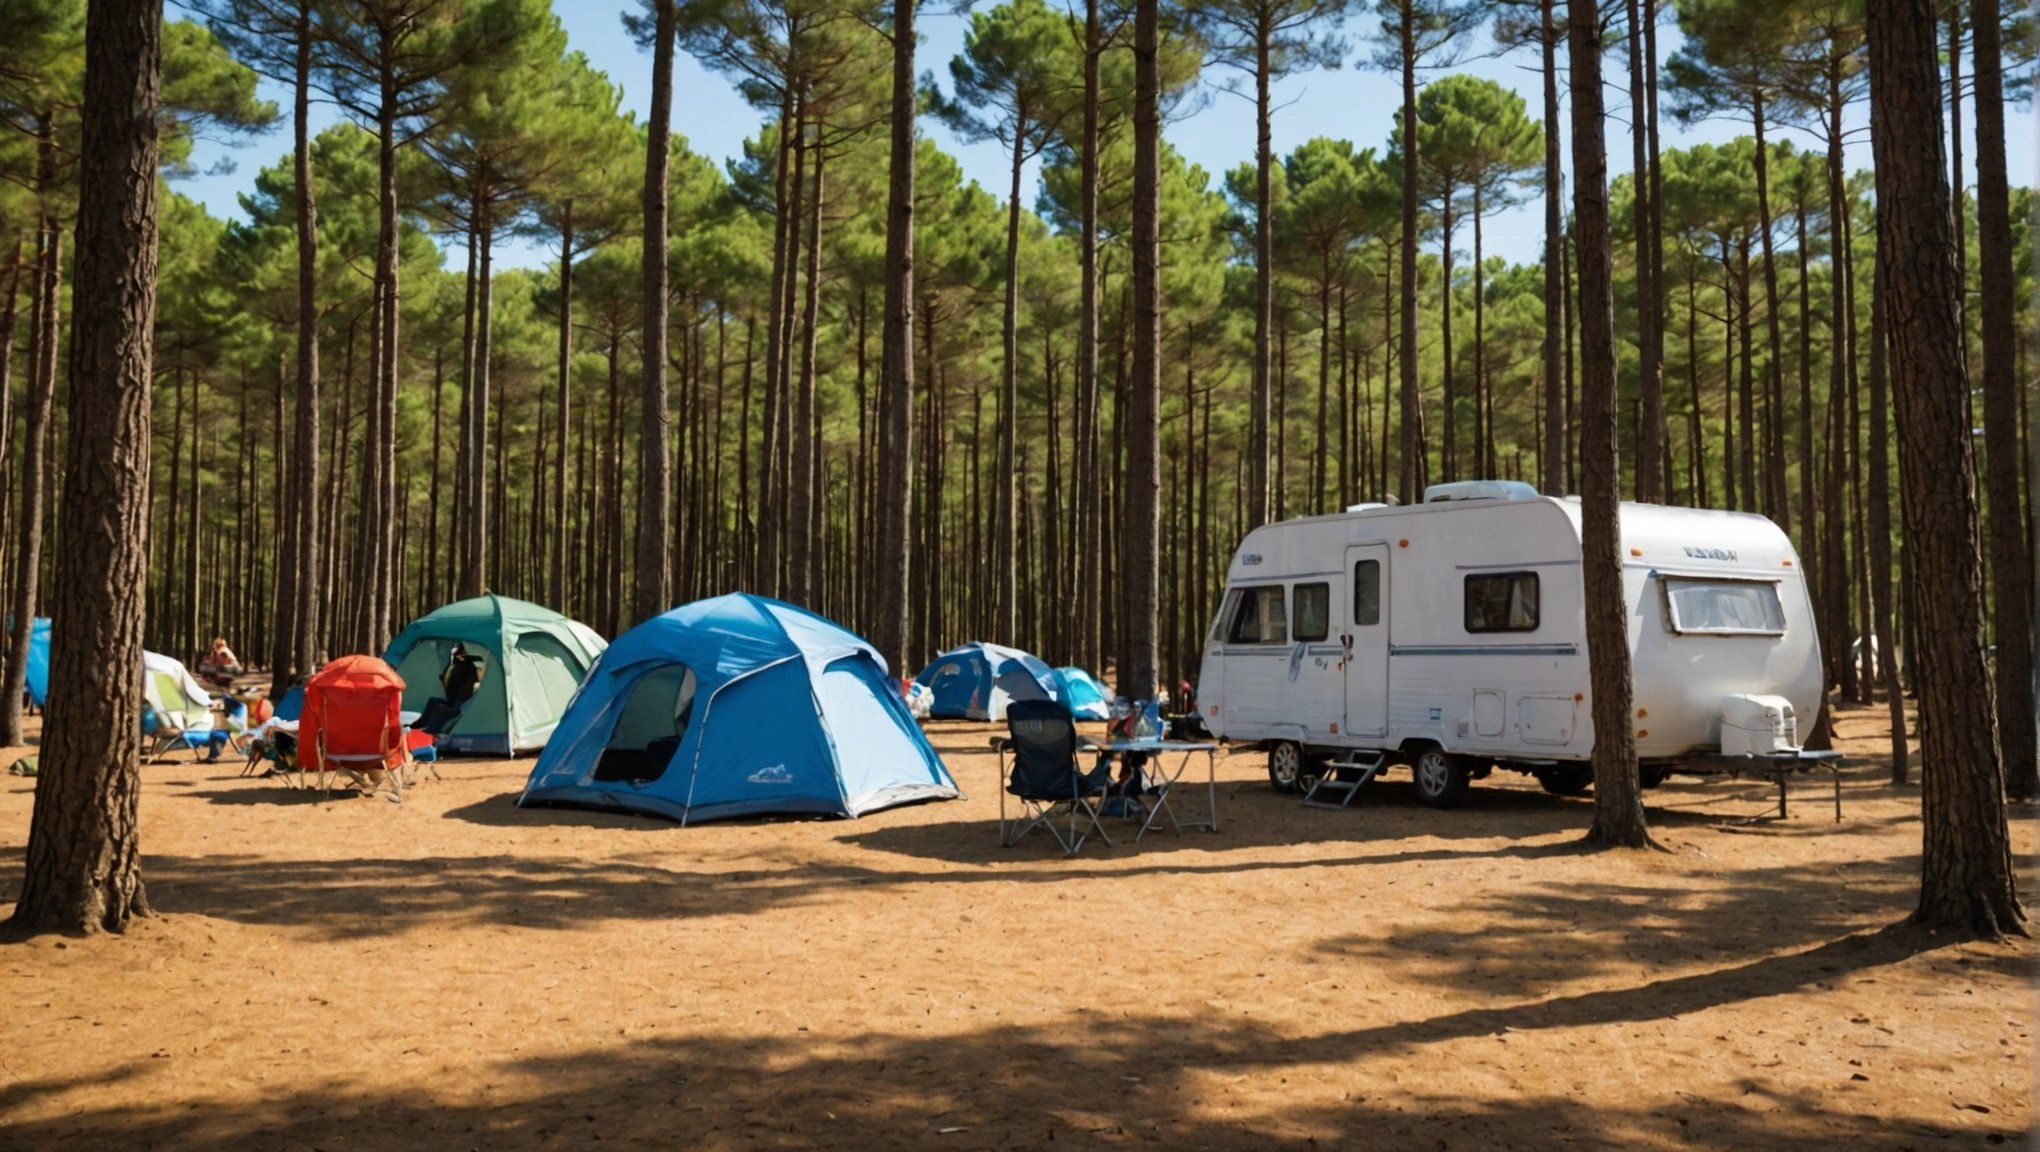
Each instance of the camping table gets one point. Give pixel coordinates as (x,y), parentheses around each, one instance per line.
(1159,751)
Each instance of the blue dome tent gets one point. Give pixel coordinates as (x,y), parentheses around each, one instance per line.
(1087,699)
(977,680)
(738,706)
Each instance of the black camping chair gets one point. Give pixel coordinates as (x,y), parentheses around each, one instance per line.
(1047,780)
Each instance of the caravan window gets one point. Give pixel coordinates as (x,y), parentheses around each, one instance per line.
(1501,602)
(1367,593)
(1724,607)
(1313,611)
(1260,617)
(1221,625)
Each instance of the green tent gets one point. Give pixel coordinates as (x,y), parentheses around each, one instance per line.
(533,660)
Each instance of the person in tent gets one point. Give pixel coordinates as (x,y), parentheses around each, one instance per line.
(462,677)
(220,665)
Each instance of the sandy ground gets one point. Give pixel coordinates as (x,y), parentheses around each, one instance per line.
(456,973)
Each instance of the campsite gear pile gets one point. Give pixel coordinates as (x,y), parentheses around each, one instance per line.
(736,706)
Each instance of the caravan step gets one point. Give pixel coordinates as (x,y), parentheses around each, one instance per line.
(1366,766)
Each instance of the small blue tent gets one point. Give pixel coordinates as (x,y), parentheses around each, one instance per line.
(977,680)
(38,660)
(1087,699)
(737,706)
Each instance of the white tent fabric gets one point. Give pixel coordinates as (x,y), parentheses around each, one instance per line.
(170,689)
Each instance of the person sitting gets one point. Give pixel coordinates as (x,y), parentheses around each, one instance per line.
(233,722)
(220,664)
(462,677)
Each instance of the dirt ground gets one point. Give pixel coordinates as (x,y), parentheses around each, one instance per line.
(457,973)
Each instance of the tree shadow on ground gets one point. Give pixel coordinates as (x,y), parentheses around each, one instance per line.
(1530,938)
(1167,1082)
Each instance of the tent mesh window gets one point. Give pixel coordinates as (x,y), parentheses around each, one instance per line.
(650,726)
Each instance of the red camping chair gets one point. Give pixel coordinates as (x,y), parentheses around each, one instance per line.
(352,724)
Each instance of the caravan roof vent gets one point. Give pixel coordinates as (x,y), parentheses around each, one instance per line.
(1480,490)
(1367,507)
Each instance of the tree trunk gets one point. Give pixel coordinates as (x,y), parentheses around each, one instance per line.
(1409,412)
(45,321)
(1140,530)
(378,512)
(1484,430)
(296,615)
(1882,608)
(1618,795)
(83,863)
(895,477)
(1967,882)
(481,498)
(563,407)
(802,570)
(2009,557)
(652,592)
(1809,535)
(1321,458)
(1775,504)
(1005,571)
(1650,381)
(1258,460)
(1449,462)
(1553,456)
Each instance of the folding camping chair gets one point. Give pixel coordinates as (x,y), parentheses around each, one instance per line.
(171,731)
(351,727)
(422,747)
(1047,779)
(274,737)
(346,754)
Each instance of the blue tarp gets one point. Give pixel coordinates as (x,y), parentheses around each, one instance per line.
(1087,699)
(38,660)
(737,706)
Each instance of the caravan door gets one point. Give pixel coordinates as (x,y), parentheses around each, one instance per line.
(1366,640)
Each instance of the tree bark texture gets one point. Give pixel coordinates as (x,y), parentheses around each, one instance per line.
(652,590)
(1139,673)
(1618,795)
(45,322)
(2010,559)
(1966,880)
(1552,459)
(895,478)
(83,863)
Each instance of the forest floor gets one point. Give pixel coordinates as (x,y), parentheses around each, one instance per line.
(457,973)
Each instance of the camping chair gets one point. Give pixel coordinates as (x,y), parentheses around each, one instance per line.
(169,731)
(274,738)
(351,712)
(277,747)
(350,754)
(1047,779)
(422,747)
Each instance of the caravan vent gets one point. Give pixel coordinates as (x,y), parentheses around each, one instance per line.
(1365,507)
(1479,490)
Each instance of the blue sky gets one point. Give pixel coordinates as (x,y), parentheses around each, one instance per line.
(1354,102)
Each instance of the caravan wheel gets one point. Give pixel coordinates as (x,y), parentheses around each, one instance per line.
(1441,779)
(1288,770)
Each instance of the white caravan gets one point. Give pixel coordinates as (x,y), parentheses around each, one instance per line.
(1451,636)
